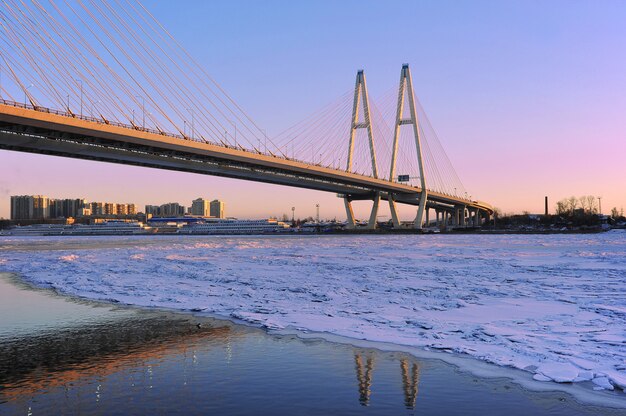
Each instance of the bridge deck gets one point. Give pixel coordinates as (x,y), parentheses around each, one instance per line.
(46,131)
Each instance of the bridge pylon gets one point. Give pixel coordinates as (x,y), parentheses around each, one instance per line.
(361,97)
(406,89)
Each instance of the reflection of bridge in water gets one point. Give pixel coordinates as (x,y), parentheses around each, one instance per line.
(364,370)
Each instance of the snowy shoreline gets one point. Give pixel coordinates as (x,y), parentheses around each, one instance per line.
(516,301)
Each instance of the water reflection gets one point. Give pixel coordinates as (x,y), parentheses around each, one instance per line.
(364,365)
(410,380)
(63,358)
(364,377)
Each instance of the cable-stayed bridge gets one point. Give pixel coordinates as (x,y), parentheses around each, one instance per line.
(105,81)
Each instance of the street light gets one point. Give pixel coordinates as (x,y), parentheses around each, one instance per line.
(600,203)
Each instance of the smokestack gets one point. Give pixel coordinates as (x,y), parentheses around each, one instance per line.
(546,206)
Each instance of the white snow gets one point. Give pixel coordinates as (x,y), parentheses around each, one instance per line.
(553,305)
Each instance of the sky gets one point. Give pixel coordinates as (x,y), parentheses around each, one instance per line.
(527,97)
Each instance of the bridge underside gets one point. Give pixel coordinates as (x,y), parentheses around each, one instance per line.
(48,142)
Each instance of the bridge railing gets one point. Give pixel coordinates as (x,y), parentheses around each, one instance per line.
(104,121)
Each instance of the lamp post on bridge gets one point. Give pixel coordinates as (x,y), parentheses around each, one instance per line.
(600,204)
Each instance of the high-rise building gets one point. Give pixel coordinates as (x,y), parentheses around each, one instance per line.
(200,207)
(217,208)
(55,208)
(38,207)
(171,209)
(41,207)
(30,207)
(152,210)
(110,208)
(71,207)
(121,209)
(97,208)
(21,207)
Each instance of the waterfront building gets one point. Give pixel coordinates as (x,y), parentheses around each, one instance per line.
(217,209)
(152,210)
(29,207)
(97,208)
(171,209)
(200,207)
(121,209)
(110,208)
(21,207)
(39,207)
(70,208)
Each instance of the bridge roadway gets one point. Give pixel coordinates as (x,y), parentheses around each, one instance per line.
(46,131)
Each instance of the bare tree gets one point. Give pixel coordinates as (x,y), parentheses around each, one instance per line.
(614,213)
(591,204)
(572,202)
(562,207)
(583,203)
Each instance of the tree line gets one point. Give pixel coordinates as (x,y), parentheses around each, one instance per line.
(584,205)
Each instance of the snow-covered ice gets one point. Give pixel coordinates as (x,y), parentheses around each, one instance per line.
(553,305)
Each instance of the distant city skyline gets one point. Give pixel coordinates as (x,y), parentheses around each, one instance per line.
(43,207)
(527,97)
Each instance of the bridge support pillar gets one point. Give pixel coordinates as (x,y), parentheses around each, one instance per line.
(371,225)
(349,213)
(394,212)
(477,218)
(419,219)
(427,217)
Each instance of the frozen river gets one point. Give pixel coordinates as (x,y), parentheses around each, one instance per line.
(552,305)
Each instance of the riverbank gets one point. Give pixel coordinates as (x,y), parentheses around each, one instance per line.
(65,355)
